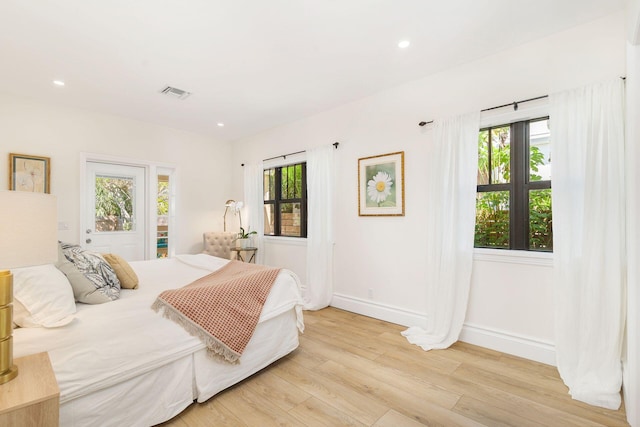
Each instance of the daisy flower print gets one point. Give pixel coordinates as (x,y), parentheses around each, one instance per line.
(379,187)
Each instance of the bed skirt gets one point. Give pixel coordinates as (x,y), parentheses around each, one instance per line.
(177,384)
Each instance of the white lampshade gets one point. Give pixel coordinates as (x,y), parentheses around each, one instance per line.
(28,229)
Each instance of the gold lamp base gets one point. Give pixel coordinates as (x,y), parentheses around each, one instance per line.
(9,374)
(8,370)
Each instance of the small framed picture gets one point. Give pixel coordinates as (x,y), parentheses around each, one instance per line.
(29,173)
(381,185)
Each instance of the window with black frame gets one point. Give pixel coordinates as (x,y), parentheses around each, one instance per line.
(513,202)
(285,201)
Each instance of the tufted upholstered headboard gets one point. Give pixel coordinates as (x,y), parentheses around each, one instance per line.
(218,243)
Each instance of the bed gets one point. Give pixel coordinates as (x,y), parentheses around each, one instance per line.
(121,363)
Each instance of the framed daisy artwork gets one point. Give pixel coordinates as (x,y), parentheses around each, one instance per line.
(29,173)
(381,185)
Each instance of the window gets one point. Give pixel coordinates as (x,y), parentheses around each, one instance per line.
(114,197)
(513,203)
(163,200)
(285,201)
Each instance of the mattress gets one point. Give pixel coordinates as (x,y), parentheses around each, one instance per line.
(122,349)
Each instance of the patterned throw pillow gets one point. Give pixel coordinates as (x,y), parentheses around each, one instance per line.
(96,270)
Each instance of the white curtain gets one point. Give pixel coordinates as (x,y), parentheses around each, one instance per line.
(587,143)
(254,205)
(450,223)
(320,191)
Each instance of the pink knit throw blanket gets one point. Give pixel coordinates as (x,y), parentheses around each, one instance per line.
(222,308)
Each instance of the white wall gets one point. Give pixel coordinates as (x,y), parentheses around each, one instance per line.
(289,252)
(632,345)
(631,357)
(29,127)
(510,306)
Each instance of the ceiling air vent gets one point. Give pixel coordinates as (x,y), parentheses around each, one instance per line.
(175,92)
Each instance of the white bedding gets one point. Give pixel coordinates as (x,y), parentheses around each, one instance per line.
(112,343)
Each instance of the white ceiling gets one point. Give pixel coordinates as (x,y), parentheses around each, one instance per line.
(253,64)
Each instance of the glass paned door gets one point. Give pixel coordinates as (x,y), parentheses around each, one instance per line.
(115,210)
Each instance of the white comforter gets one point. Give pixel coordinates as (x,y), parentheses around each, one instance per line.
(109,343)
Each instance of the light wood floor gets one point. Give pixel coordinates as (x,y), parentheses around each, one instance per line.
(352,370)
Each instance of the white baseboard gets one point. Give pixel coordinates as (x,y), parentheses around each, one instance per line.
(505,342)
(388,313)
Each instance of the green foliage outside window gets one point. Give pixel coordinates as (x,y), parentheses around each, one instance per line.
(291,183)
(492,219)
(493,207)
(540,220)
(284,191)
(163,198)
(500,168)
(114,204)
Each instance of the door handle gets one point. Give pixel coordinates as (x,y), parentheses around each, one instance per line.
(88,240)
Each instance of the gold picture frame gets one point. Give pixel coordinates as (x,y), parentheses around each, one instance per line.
(29,173)
(381,185)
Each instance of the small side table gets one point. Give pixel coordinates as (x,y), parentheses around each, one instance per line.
(33,397)
(249,252)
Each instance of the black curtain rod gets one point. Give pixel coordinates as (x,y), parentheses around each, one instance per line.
(284,156)
(515,104)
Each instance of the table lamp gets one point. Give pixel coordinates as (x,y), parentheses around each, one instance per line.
(28,237)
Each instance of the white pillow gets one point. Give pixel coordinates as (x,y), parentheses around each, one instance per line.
(43,297)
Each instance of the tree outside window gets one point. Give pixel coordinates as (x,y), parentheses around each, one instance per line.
(114,204)
(285,201)
(513,203)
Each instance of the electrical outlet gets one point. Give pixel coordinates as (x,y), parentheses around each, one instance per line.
(370,293)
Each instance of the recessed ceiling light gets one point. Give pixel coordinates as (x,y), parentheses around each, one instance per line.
(221,124)
(58,82)
(404,44)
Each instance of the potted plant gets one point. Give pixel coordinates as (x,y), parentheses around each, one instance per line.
(243,239)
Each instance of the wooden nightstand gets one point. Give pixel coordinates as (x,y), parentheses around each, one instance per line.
(249,252)
(32,398)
